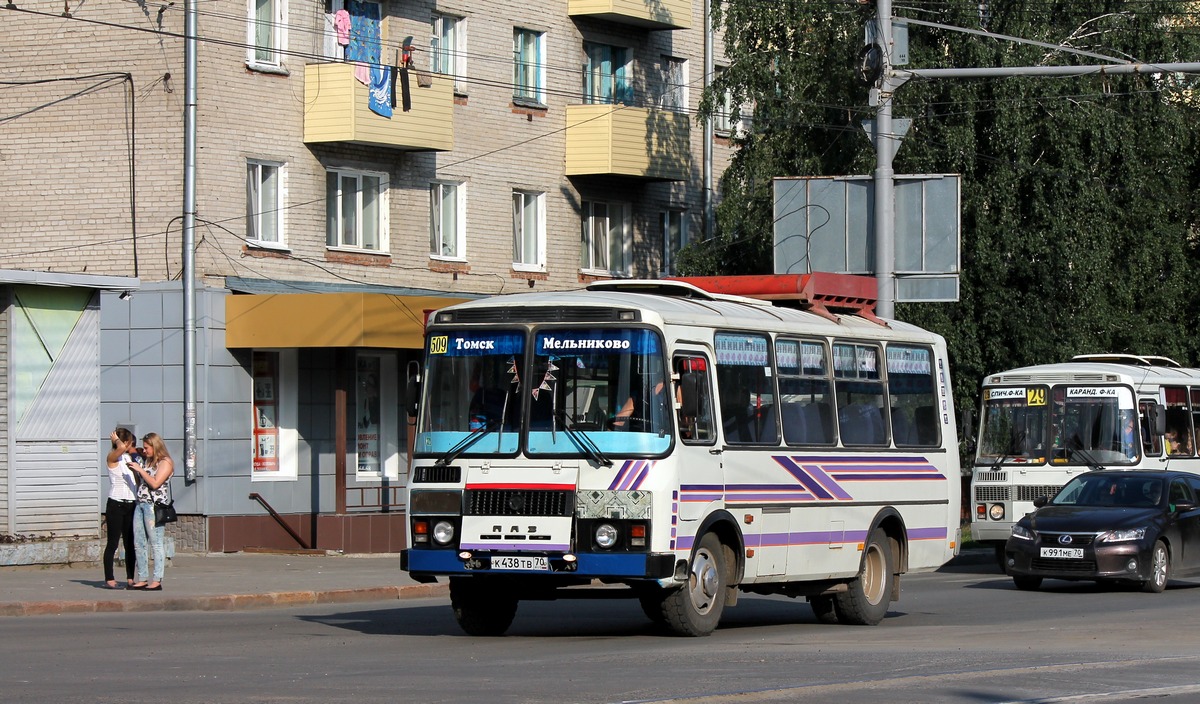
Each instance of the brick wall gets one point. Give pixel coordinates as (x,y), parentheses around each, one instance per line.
(67,165)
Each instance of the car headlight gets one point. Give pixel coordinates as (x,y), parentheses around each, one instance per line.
(1121,536)
(443,532)
(606,536)
(1023,533)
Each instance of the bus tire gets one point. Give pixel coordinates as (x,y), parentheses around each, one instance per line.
(481,607)
(824,608)
(1026,583)
(1160,569)
(695,608)
(869,595)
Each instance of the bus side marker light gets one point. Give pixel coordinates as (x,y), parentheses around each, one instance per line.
(748,518)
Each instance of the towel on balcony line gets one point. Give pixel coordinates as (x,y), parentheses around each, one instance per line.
(380,100)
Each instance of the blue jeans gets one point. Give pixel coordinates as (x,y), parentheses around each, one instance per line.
(143,529)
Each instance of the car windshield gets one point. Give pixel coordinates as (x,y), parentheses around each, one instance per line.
(1128,491)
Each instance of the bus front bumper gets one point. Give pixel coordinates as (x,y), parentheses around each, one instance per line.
(432,562)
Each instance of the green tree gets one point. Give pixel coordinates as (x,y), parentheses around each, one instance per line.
(1079,215)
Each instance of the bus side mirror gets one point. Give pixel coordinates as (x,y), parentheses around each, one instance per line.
(689,392)
(1158,418)
(412,390)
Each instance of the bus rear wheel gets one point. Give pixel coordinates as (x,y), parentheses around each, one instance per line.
(867,598)
(695,608)
(481,606)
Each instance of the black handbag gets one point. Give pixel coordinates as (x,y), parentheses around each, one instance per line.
(164,514)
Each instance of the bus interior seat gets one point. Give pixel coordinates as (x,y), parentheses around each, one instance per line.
(861,424)
(902,427)
(926,421)
(795,424)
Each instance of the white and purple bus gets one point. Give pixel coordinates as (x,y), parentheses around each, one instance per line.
(686,439)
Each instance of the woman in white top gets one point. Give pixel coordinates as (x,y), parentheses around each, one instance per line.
(153,487)
(122,499)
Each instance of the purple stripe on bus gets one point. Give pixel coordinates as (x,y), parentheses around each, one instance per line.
(801,476)
(641,477)
(818,473)
(888,477)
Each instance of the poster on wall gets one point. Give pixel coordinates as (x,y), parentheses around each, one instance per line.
(266,432)
(366,416)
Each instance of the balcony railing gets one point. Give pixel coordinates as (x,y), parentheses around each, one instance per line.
(335,110)
(625,141)
(647,14)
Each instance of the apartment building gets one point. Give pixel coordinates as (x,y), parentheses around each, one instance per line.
(358,164)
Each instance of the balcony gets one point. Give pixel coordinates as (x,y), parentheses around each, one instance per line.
(647,14)
(335,110)
(624,141)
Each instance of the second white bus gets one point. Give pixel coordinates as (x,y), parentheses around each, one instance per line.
(1042,425)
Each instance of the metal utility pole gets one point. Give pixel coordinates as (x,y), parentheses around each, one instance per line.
(878,66)
(886,146)
(189,240)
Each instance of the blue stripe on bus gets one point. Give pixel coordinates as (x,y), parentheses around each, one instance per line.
(589,565)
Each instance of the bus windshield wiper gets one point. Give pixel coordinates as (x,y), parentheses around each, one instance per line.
(465,444)
(584,441)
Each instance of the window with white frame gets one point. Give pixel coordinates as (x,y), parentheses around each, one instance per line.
(264,202)
(529,231)
(275,407)
(606,74)
(447,219)
(447,49)
(606,238)
(529,66)
(675,238)
(674,84)
(356,210)
(267,32)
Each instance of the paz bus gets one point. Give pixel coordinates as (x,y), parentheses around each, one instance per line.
(687,440)
(1042,425)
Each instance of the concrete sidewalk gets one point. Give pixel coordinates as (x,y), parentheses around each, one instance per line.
(213,582)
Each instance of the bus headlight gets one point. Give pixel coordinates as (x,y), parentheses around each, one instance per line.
(996,512)
(606,535)
(443,532)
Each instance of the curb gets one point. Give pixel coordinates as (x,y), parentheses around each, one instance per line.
(228,602)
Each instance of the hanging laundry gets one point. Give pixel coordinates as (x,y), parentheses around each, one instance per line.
(362,73)
(341,23)
(380,100)
(405,96)
(365,37)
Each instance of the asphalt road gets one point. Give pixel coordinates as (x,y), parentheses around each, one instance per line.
(965,636)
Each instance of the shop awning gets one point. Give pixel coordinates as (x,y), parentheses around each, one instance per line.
(329,320)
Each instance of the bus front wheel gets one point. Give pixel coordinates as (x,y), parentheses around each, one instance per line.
(481,607)
(867,598)
(695,608)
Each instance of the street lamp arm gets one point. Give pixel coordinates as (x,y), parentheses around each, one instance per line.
(1018,40)
(1008,71)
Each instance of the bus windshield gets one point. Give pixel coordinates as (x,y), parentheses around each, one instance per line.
(1065,425)
(609,384)
(582,392)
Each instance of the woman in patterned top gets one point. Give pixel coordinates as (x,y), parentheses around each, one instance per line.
(153,488)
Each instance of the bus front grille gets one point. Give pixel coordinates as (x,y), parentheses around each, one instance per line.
(519,502)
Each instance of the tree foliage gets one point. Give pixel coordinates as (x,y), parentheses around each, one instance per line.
(1079,210)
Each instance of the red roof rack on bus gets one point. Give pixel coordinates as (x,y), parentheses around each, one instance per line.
(1132,359)
(820,292)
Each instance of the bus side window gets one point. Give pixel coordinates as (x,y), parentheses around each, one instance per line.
(694,400)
